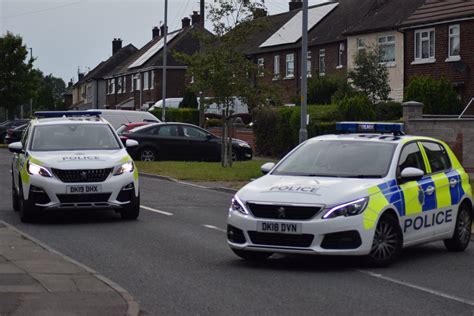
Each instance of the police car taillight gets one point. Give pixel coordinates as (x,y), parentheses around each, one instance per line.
(370,127)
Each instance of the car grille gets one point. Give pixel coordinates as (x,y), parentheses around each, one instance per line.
(283,211)
(83,198)
(86,175)
(286,240)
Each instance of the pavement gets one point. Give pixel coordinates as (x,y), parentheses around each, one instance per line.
(37,280)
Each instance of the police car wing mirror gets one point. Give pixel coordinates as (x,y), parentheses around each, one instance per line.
(412,174)
(131,143)
(267,167)
(16,148)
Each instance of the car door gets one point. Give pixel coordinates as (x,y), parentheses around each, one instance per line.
(447,183)
(419,198)
(173,143)
(202,146)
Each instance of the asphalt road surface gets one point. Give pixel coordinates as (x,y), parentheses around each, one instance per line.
(174,260)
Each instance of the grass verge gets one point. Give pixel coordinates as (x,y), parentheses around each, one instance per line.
(203,171)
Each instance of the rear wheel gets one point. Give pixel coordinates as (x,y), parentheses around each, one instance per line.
(387,244)
(131,211)
(252,255)
(462,231)
(147,154)
(27,210)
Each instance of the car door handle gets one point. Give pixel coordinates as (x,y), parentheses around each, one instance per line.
(453,182)
(430,190)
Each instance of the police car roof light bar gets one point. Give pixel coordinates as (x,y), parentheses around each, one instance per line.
(51,114)
(371,127)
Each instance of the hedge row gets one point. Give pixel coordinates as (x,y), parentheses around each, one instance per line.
(179,115)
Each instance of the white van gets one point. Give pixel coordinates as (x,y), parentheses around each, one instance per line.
(171,103)
(118,118)
(238,107)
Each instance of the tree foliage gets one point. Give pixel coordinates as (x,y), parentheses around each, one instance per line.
(370,76)
(49,95)
(437,96)
(18,80)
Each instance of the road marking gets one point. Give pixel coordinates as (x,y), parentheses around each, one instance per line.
(156,211)
(215,228)
(419,288)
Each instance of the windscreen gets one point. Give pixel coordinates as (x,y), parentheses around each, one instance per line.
(74,137)
(351,159)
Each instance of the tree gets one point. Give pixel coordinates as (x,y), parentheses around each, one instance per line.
(18,81)
(370,76)
(49,95)
(189,100)
(221,68)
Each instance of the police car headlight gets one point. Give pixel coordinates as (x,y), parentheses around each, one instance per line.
(34,169)
(126,167)
(347,209)
(238,206)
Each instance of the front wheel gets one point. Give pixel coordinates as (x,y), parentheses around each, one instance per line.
(387,244)
(132,210)
(252,255)
(462,231)
(147,154)
(15,198)
(28,211)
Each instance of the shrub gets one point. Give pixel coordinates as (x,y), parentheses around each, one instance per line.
(189,100)
(437,96)
(324,89)
(180,115)
(388,111)
(357,108)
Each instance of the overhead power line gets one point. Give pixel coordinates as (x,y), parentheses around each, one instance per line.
(42,10)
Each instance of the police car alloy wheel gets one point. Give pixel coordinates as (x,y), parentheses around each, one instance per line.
(73,161)
(369,193)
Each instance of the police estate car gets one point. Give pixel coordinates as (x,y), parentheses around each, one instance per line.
(355,194)
(73,160)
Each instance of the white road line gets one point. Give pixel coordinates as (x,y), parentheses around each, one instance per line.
(419,288)
(215,228)
(156,211)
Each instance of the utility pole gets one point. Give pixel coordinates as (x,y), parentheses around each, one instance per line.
(165,52)
(203,13)
(304,74)
(201,97)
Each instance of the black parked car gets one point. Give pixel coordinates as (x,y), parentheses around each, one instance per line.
(180,141)
(10,124)
(14,134)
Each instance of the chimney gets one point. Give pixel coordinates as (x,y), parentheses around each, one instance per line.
(155,32)
(195,18)
(80,75)
(162,30)
(185,22)
(70,84)
(116,45)
(295,5)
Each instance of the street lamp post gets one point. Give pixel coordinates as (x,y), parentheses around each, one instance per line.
(165,52)
(304,74)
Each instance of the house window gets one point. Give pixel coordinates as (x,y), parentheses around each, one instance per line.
(119,84)
(322,62)
(425,45)
(290,65)
(387,48)
(124,84)
(361,45)
(454,41)
(308,67)
(111,86)
(276,67)
(152,79)
(146,80)
(261,66)
(340,57)
(136,82)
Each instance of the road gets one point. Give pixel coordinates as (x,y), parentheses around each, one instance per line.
(174,260)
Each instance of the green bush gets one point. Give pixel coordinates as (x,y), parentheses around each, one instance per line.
(357,108)
(179,115)
(322,90)
(388,111)
(189,100)
(212,122)
(438,96)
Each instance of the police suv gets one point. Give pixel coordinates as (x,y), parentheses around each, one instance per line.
(355,194)
(73,160)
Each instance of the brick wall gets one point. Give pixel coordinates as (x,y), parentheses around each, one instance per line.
(459,72)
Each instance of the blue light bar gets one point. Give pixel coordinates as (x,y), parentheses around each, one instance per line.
(49,114)
(370,127)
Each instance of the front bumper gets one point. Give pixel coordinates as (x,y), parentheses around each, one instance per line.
(50,193)
(338,236)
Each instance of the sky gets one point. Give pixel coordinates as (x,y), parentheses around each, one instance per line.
(68,36)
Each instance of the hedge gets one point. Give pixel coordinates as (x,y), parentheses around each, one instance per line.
(179,115)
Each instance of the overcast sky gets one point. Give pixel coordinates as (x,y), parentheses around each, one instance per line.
(67,35)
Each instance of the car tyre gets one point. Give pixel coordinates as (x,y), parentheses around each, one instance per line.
(235,156)
(147,154)
(252,255)
(15,198)
(387,244)
(462,231)
(27,210)
(132,210)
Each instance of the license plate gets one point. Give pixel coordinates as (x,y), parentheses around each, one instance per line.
(83,189)
(279,227)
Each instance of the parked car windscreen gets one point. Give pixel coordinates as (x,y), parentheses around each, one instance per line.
(327,158)
(74,137)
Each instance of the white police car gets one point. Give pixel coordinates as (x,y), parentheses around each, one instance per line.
(73,160)
(355,194)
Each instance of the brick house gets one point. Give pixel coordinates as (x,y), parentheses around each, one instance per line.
(137,82)
(379,30)
(439,41)
(89,91)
